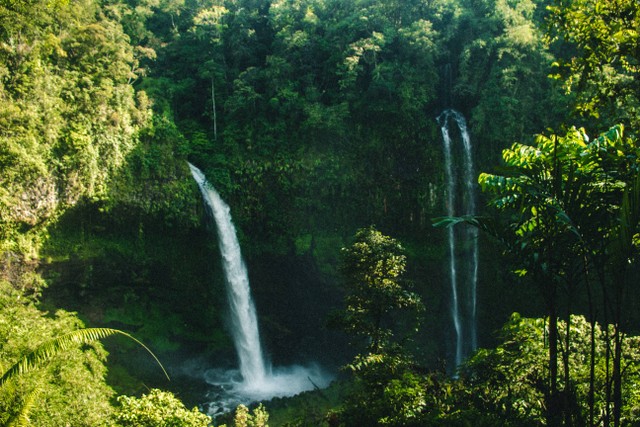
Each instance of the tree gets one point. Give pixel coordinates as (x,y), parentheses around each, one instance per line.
(373,267)
(509,381)
(599,60)
(564,198)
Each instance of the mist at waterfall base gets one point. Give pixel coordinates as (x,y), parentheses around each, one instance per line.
(227,388)
(255,379)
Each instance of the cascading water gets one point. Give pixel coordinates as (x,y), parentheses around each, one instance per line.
(259,380)
(463,280)
(244,321)
(453,273)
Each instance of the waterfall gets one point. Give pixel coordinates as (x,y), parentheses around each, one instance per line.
(259,380)
(462,245)
(244,321)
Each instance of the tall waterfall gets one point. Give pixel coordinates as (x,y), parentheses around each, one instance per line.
(462,244)
(259,380)
(244,321)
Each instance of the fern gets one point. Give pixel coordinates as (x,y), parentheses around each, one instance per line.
(51,348)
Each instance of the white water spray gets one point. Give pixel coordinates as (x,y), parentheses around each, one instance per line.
(463,314)
(259,380)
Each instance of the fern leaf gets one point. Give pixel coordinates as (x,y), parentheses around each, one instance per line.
(50,349)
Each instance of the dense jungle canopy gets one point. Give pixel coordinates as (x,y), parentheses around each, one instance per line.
(316,122)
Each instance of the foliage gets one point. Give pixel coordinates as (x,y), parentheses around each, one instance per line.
(282,102)
(312,408)
(564,194)
(69,116)
(71,388)
(373,267)
(502,71)
(244,418)
(386,391)
(506,385)
(48,350)
(563,198)
(599,59)
(16,376)
(313,117)
(157,408)
(152,182)
(510,381)
(550,184)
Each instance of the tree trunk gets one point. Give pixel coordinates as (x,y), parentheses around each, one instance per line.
(617,350)
(213,104)
(592,346)
(566,393)
(617,377)
(554,413)
(607,338)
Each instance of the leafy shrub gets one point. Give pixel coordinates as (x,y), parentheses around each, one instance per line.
(158,409)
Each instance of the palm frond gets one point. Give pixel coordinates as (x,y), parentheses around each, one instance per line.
(482,223)
(51,348)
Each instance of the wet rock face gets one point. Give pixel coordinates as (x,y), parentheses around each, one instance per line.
(36,202)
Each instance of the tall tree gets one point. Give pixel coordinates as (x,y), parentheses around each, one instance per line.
(564,196)
(508,380)
(373,267)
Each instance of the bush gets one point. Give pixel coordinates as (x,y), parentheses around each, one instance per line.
(158,409)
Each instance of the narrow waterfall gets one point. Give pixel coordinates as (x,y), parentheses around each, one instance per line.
(462,245)
(471,232)
(453,274)
(244,321)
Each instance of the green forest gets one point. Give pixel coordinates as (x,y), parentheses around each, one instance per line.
(329,128)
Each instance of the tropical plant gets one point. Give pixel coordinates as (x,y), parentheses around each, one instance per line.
(25,400)
(157,408)
(53,367)
(68,387)
(511,383)
(46,351)
(568,203)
